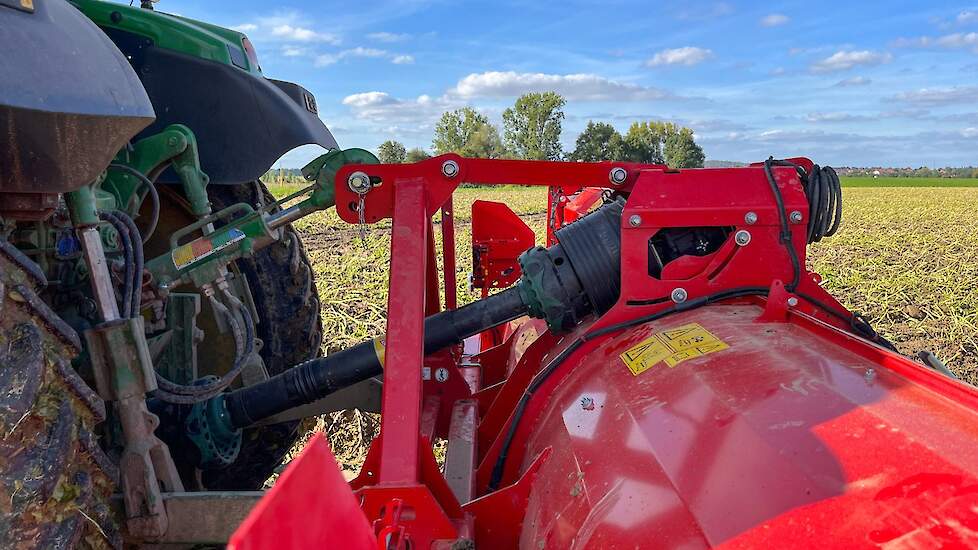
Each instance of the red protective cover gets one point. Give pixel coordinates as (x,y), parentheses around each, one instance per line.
(310,506)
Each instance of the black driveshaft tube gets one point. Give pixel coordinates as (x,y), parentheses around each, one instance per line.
(562,284)
(318,378)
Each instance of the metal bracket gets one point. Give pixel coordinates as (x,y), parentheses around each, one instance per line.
(123,374)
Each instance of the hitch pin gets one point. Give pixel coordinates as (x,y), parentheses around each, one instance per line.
(359,183)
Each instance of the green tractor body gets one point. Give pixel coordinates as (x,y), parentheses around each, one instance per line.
(142,263)
(208,79)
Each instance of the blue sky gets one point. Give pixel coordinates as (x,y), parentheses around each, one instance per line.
(847,83)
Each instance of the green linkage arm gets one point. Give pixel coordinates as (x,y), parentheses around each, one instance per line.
(248,230)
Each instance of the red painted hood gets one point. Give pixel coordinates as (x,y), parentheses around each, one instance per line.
(784,438)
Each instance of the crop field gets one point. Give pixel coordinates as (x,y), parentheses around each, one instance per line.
(909,182)
(907,258)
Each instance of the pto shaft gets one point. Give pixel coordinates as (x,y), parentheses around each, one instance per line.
(574,278)
(317,378)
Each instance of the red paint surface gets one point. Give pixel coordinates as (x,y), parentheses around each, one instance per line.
(784,439)
(310,506)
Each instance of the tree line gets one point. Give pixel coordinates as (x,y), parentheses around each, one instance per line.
(532,128)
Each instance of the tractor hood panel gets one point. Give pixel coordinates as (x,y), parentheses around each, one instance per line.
(747,434)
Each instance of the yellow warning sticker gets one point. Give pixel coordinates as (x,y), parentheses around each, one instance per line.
(672,346)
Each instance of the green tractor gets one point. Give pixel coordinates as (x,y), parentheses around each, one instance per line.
(144,267)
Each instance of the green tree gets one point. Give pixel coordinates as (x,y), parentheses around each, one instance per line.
(417,154)
(391,152)
(484,142)
(467,132)
(663,142)
(532,126)
(599,141)
(681,150)
(643,142)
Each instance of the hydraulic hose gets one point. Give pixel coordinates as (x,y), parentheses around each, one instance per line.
(320,377)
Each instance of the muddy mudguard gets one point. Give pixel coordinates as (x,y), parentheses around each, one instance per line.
(68,99)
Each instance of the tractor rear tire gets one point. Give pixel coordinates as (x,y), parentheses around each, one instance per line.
(284,293)
(55,481)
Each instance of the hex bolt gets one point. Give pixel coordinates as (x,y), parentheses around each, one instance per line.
(449,168)
(795,216)
(617,175)
(742,237)
(792,301)
(679,295)
(635,220)
(359,183)
(750,218)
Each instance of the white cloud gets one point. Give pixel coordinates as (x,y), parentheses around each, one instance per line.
(970,132)
(689,55)
(774,20)
(369,99)
(375,53)
(833,117)
(854,81)
(302,34)
(388,37)
(293,51)
(958,40)
(941,96)
(382,107)
(843,60)
(574,87)
(967,16)
(288,27)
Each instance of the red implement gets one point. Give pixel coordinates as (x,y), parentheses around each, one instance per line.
(726,399)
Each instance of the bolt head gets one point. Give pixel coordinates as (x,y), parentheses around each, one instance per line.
(617,175)
(795,216)
(449,168)
(679,295)
(635,220)
(358,182)
(742,237)
(750,218)
(792,301)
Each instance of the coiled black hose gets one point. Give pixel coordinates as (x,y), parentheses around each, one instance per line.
(824,193)
(172,392)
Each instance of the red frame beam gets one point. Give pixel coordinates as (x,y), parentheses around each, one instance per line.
(401,421)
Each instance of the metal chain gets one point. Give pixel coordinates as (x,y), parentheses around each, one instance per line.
(556,194)
(362,225)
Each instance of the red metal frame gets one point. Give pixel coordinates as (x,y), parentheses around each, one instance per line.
(400,488)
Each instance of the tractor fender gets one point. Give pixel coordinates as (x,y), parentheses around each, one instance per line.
(243,122)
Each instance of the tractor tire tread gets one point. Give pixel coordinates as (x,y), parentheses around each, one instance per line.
(55,480)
